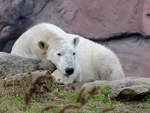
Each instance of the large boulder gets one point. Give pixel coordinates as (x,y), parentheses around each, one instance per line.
(96,19)
(104,21)
(134,55)
(146,17)
(11,65)
(126,89)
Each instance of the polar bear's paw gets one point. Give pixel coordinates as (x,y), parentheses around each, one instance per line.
(60,78)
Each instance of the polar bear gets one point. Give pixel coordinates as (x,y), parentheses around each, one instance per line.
(47,41)
(76,58)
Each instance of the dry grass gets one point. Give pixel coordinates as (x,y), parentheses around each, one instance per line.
(57,100)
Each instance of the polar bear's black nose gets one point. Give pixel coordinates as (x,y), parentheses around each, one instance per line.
(69,71)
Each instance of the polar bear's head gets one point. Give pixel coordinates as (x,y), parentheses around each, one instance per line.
(62,52)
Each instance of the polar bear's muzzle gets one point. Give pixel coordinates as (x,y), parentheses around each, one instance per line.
(69,71)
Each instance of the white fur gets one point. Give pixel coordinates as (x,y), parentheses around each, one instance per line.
(91,62)
(96,61)
(26,45)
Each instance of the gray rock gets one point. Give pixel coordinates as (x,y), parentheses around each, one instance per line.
(92,19)
(126,89)
(11,65)
(134,92)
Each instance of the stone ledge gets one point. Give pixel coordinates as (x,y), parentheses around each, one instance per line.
(11,65)
(126,89)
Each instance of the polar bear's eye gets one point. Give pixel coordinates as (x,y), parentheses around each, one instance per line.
(59,54)
(74,53)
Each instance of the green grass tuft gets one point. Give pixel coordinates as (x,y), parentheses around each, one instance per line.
(99,103)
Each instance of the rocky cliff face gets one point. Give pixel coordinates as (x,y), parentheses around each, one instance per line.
(105,21)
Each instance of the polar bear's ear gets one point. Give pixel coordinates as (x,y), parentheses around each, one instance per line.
(42,45)
(76,41)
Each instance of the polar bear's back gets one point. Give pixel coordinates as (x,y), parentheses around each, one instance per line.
(41,31)
(97,61)
(26,45)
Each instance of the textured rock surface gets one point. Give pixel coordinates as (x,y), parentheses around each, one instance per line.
(134,55)
(126,89)
(22,79)
(146,17)
(23,82)
(11,65)
(95,20)
(92,19)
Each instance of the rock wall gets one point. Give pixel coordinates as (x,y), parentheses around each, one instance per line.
(119,24)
